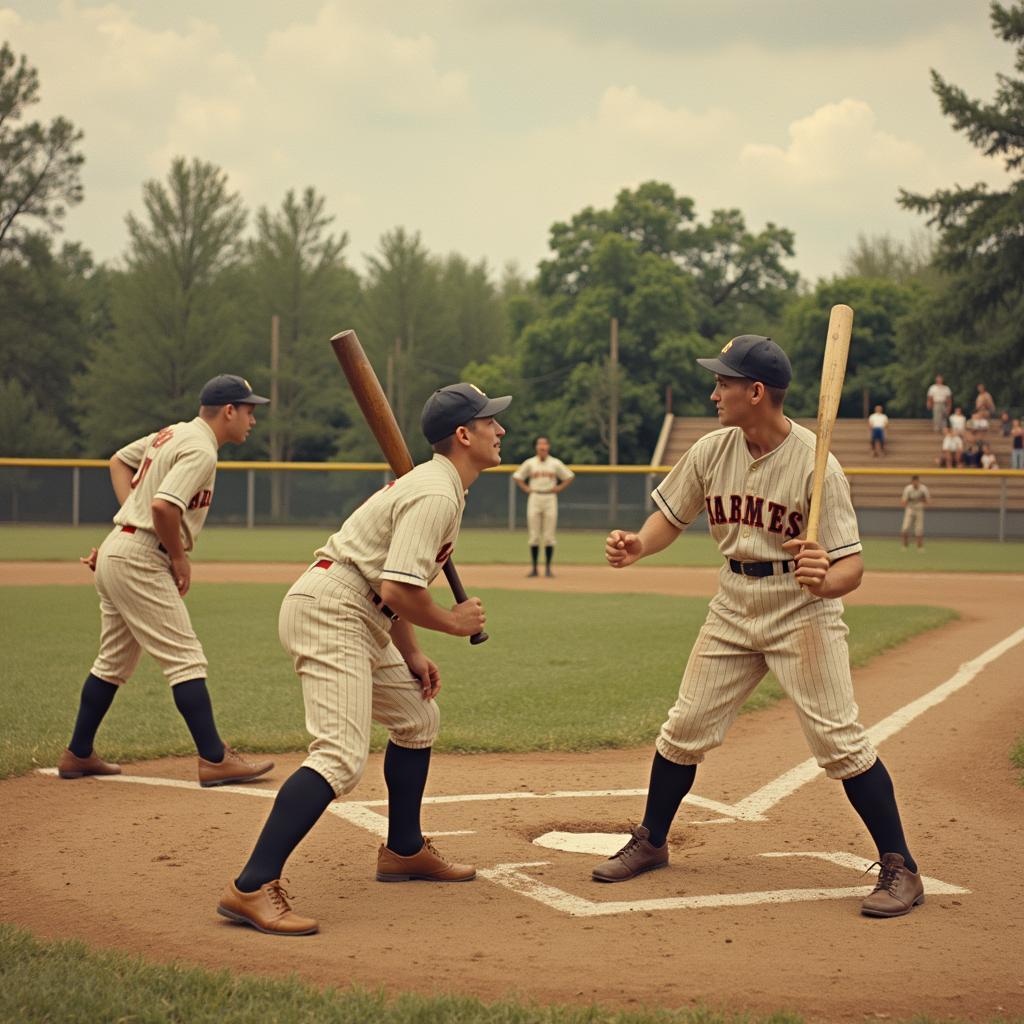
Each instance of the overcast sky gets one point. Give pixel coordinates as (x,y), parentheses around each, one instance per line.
(479,123)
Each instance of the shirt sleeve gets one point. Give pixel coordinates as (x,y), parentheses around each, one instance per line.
(563,472)
(189,474)
(132,454)
(522,472)
(422,530)
(680,496)
(838,532)
(906,493)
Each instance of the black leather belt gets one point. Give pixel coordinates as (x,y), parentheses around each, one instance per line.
(758,568)
(326,563)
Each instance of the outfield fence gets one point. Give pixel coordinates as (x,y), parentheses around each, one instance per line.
(968,503)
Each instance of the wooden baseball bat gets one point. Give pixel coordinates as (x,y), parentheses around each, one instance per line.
(833,373)
(381,420)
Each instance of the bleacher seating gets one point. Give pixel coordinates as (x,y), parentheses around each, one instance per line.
(910,445)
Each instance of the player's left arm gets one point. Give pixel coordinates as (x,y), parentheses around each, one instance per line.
(820,576)
(403,635)
(565,478)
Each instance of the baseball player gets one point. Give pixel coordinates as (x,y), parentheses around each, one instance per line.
(348,624)
(164,483)
(542,477)
(914,498)
(778,607)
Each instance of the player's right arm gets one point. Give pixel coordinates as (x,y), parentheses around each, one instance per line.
(167,526)
(622,548)
(415,605)
(121,478)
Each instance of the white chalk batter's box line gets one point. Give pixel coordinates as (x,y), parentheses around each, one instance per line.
(361,813)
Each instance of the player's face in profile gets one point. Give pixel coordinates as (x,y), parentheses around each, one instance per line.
(730,398)
(242,418)
(486,435)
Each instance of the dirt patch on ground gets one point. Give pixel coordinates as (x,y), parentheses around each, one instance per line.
(139,867)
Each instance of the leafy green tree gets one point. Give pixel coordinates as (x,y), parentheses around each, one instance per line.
(972,332)
(887,258)
(175,308)
(39,164)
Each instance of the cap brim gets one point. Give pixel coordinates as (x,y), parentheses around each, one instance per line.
(254,400)
(493,407)
(717,366)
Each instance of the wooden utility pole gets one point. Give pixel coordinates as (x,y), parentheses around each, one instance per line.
(275,434)
(613,424)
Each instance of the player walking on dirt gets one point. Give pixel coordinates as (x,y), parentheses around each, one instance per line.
(348,624)
(164,483)
(778,607)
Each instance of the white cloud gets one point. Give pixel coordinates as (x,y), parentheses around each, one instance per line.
(838,142)
(625,112)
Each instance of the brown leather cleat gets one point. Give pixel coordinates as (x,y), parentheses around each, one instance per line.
(70,766)
(267,910)
(426,866)
(897,891)
(636,857)
(234,768)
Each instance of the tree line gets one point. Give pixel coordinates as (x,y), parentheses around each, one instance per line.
(94,355)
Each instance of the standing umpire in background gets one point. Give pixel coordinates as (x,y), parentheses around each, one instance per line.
(164,483)
(348,624)
(778,607)
(542,477)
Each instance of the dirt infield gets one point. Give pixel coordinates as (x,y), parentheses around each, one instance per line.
(758,909)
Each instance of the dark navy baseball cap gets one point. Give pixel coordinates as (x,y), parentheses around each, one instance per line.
(754,357)
(227,389)
(454,406)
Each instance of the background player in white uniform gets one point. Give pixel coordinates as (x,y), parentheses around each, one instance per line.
(164,482)
(914,498)
(348,624)
(778,607)
(542,477)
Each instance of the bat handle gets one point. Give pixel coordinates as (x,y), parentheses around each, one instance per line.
(460,595)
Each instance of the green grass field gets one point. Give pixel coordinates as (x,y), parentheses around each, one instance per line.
(295,544)
(560,672)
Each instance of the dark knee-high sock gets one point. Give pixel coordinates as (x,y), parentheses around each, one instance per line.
(297,808)
(669,784)
(874,799)
(549,552)
(192,699)
(97,696)
(405,772)
(534,552)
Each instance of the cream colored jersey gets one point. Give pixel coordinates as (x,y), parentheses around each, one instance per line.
(754,505)
(543,475)
(915,497)
(177,464)
(406,531)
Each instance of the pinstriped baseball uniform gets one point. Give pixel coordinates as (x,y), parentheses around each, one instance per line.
(140,605)
(543,476)
(759,623)
(916,497)
(338,636)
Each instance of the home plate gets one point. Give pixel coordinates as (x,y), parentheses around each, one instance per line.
(600,844)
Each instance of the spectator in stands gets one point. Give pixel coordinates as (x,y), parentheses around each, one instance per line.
(984,403)
(977,424)
(940,401)
(952,447)
(915,497)
(1017,451)
(878,422)
(1005,423)
(988,458)
(958,421)
(971,456)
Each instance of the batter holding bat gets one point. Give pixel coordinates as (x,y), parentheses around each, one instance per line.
(348,624)
(778,607)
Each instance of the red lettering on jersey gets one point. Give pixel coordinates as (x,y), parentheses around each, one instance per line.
(711,511)
(777,516)
(201,499)
(796,524)
(719,510)
(444,554)
(735,508)
(752,511)
(141,472)
(163,437)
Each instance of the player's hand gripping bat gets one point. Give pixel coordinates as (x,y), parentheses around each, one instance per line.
(833,373)
(381,420)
